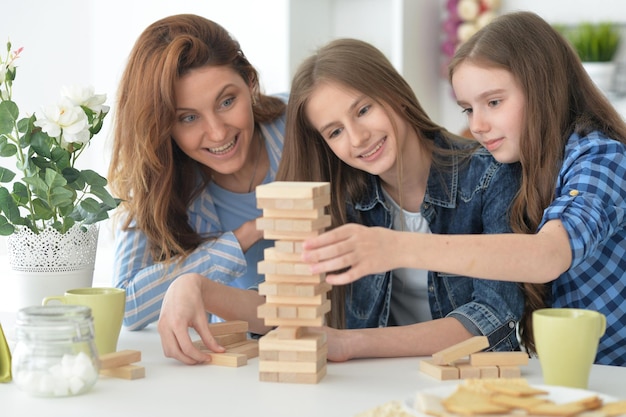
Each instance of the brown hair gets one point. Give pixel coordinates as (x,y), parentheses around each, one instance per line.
(155,179)
(560,99)
(306,155)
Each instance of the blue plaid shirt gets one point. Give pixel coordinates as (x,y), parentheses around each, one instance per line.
(591,203)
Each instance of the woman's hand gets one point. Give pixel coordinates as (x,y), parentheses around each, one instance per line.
(350,252)
(182,308)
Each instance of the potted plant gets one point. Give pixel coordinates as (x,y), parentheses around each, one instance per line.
(49,209)
(596,45)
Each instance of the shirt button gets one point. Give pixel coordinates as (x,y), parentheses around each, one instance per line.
(511,324)
(573,193)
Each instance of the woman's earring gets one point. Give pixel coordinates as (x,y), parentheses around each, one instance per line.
(254,99)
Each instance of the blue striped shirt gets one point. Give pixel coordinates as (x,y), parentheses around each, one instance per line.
(591,203)
(221,260)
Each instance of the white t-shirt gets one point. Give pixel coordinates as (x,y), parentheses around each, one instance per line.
(409,287)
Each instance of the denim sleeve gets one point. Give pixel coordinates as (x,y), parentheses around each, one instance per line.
(146,282)
(493,308)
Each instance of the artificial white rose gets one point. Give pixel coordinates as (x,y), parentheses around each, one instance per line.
(85,96)
(66,119)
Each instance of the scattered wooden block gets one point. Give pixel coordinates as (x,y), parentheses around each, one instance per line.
(441,372)
(120,358)
(507,371)
(125,372)
(227,327)
(228,359)
(460,350)
(499,358)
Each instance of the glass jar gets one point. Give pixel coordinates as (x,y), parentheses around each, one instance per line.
(55,354)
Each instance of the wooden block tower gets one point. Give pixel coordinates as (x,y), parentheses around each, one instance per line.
(295,298)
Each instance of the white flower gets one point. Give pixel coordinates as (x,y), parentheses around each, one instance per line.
(85,96)
(67,119)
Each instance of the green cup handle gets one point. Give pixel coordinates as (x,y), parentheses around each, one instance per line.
(51,298)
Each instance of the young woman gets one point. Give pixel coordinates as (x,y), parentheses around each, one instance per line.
(529,100)
(194,136)
(354,121)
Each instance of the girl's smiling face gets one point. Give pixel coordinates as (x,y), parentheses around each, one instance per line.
(494,104)
(357,128)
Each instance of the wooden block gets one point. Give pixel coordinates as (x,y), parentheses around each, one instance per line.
(269,267)
(292,225)
(120,358)
(466,370)
(287,312)
(499,358)
(278,321)
(125,372)
(293,355)
(308,342)
(227,327)
(293,189)
(460,350)
(290,332)
(267,311)
(440,372)
(229,339)
(285,235)
(314,213)
(271,254)
(293,289)
(250,348)
(489,372)
(509,371)
(312,312)
(312,300)
(293,204)
(291,377)
(288,246)
(288,366)
(301,279)
(233,360)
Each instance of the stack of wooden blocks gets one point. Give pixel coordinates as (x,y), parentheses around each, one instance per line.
(122,364)
(295,298)
(465,360)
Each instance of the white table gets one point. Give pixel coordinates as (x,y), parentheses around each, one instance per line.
(173,389)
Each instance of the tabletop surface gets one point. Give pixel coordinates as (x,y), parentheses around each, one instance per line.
(170,387)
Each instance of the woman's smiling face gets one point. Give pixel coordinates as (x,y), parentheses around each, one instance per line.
(214,122)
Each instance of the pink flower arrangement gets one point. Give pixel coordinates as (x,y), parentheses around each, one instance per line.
(465,17)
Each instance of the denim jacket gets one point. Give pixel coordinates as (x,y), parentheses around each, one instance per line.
(466,198)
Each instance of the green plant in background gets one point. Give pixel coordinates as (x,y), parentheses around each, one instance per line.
(594,42)
(50,191)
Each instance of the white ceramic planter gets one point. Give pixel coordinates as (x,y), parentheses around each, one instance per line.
(49,263)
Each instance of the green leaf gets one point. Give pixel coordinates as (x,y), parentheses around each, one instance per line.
(9,206)
(42,210)
(6,228)
(104,195)
(7,149)
(90,205)
(6,175)
(40,143)
(93,178)
(61,197)
(54,179)
(9,113)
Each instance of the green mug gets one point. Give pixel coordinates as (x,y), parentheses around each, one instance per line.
(566,340)
(107,309)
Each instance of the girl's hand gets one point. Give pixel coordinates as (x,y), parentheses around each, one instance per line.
(350,252)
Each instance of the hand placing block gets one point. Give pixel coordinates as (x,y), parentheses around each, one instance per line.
(232,335)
